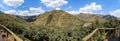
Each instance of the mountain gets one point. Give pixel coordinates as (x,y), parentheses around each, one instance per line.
(15,24)
(57,18)
(27,18)
(109,17)
(75,25)
(10,18)
(90,18)
(118,18)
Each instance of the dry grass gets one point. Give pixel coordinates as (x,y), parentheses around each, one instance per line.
(57,18)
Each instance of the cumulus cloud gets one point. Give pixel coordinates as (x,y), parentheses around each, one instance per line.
(1,6)
(70,7)
(89,8)
(37,10)
(23,13)
(10,12)
(14,12)
(26,13)
(74,12)
(30,12)
(57,9)
(13,2)
(115,13)
(54,3)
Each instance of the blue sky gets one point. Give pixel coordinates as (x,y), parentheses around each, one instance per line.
(35,7)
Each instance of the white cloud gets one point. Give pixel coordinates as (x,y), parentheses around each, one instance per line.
(37,10)
(13,2)
(1,5)
(74,12)
(57,9)
(115,13)
(30,12)
(10,12)
(14,12)
(69,7)
(89,8)
(23,13)
(26,13)
(54,3)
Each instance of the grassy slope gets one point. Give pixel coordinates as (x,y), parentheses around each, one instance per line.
(91,18)
(13,34)
(10,19)
(57,18)
(13,23)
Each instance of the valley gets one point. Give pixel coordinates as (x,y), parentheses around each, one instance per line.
(58,25)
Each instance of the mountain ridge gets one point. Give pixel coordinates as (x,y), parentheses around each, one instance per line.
(91,18)
(56,18)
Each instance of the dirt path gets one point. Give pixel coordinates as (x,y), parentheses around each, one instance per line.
(13,34)
(94,31)
(1,38)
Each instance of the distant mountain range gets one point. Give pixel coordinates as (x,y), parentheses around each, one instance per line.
(81,15)
(60,18)
(55,18)
(109,17)
(90,18)
(27,18)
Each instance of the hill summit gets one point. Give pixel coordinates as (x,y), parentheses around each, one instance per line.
(57,18)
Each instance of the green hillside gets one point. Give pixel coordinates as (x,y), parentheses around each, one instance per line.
(65,27)
(57,18)
(15,24)
(90,18)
